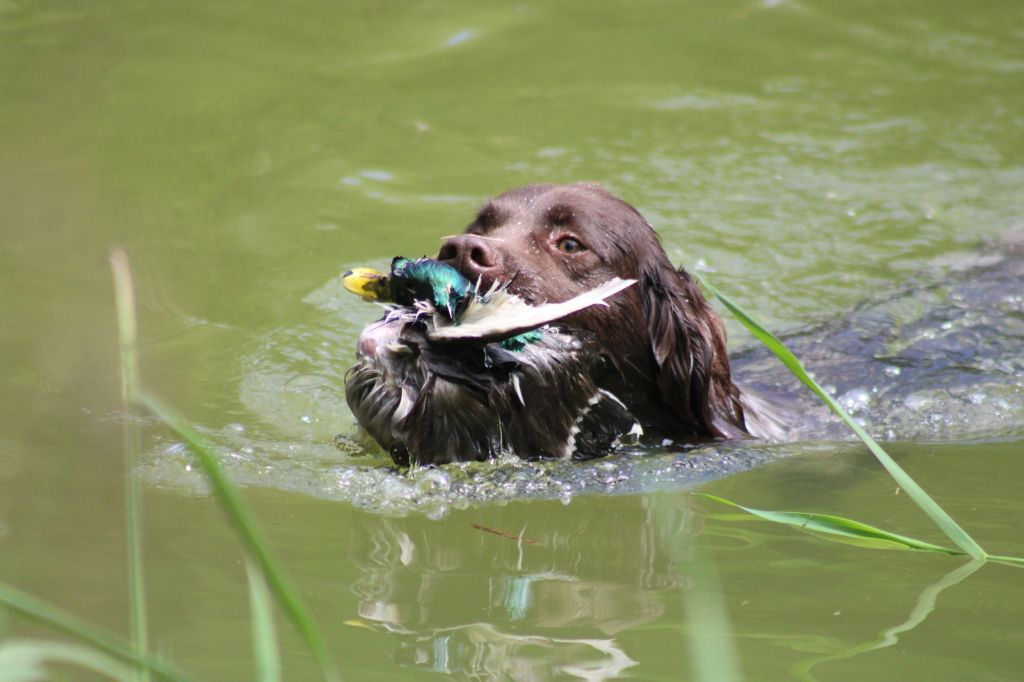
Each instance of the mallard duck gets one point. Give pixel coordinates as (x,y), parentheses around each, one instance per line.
(451,373)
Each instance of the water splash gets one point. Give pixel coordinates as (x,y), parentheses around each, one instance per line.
(350,471)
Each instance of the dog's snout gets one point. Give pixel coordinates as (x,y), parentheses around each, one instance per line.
(472,255)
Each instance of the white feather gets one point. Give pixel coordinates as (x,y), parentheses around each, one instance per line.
(519,390)
(501,314)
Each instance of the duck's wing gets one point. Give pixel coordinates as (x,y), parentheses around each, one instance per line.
(502,315)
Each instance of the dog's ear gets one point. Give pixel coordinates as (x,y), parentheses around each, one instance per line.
(688,346)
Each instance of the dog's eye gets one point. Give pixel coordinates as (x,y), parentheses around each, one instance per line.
(570,245)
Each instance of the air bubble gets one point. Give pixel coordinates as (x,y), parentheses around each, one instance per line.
(856,400)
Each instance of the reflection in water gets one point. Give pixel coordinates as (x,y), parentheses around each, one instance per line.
(547,599)
(481,650)
(924,607)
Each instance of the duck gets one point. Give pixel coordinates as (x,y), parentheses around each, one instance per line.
(455,373)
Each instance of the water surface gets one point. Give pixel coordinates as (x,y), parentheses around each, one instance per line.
(808,156)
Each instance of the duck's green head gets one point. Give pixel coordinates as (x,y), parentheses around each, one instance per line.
(410,280)
(426,279)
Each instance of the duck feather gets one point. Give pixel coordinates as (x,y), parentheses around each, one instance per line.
(500,314)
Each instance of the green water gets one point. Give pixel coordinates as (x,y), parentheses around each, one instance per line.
(809,154)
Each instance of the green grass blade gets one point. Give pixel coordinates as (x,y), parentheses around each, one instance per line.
(712,652)
(251,534)
(1011,560)
(828,524)
(264,634)
(124,296)
(26,660)
(101,639)
(944,521)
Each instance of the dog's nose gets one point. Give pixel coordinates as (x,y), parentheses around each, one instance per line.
(472,256)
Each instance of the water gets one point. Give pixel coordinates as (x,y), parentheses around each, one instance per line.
(808,156)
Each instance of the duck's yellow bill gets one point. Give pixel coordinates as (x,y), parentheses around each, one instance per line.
(366,282)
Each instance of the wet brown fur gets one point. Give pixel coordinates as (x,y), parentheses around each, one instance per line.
(663,344)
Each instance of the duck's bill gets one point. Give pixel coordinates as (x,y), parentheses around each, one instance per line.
(366,282)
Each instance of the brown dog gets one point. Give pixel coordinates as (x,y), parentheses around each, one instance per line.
(663,345)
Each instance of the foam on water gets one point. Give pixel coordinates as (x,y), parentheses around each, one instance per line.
(344,471)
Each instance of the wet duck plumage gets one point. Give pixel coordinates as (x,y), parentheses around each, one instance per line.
(454,374)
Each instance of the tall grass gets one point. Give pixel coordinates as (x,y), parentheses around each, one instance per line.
(97,637)
(25,660)
(943,520)
(713,655)
(254,541)
(264,634)
(124,299)
(251,535)
(722,662)
(837,527)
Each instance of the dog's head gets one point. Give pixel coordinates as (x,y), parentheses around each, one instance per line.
(665,343)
